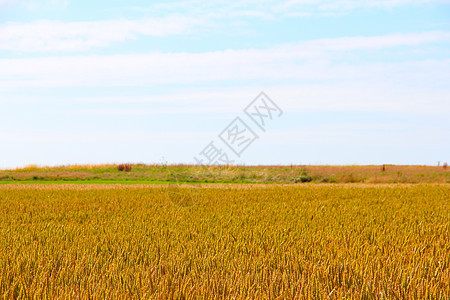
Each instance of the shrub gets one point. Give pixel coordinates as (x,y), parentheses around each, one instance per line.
(124,167)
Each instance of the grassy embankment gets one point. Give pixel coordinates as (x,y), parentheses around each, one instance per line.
(141,173)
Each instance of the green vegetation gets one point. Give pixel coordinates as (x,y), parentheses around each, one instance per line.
(140,173)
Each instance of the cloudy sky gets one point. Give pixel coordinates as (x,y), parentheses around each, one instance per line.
(359,82)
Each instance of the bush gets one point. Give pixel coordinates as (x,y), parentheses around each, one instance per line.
(304,177)
(124,167)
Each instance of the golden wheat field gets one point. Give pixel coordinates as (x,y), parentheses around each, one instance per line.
(325,241)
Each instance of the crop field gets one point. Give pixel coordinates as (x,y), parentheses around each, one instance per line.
(308,241)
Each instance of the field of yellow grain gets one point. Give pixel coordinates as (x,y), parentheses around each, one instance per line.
(225,241)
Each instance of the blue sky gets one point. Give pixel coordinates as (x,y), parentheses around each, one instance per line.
(359,82)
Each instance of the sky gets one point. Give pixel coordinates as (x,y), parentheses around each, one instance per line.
(344,82)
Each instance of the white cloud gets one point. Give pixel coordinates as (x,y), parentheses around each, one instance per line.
(351,5)
(44,35)
(40,136)
(270,9)
(375,42)
(314,78)
(310,60)
(377,96)
(173,18)
(35,4)
(57,36)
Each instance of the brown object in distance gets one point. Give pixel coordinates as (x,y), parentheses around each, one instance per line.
(124,167)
